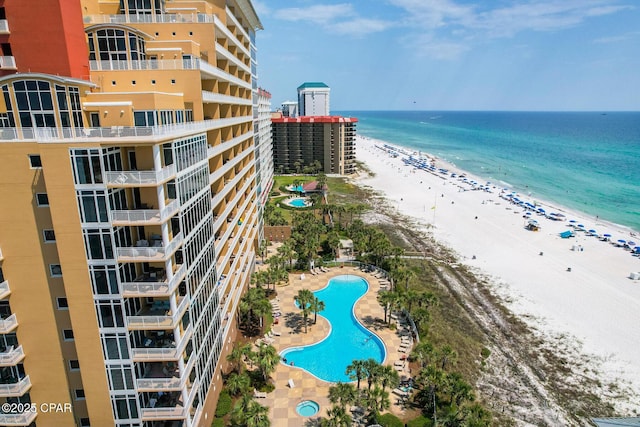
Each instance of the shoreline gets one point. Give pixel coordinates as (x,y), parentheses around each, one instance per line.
(576,288)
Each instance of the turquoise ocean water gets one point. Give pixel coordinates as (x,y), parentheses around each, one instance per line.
(585,161)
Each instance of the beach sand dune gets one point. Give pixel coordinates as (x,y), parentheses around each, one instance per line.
(579,288)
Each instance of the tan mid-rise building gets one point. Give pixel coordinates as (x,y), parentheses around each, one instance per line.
(130,215)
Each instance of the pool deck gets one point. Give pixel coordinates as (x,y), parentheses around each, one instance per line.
(283,400)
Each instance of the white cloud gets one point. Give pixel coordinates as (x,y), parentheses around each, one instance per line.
(360,26)
(319,14)
(261,8)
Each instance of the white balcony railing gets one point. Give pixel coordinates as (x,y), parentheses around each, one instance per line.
(9,324)
(146,64)
(145,216)
(160,384)
(154,289)
(168,354)
(5,291)
(172,413)
(133,133)
(140,178)
(24,419)
(4,26)
(8,62)
(150,19)
(168,321)
(148,254)
(12,356)
(16,389)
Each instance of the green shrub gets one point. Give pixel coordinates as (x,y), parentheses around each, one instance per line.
(217,422)
(224,404)
(390,420)
(485,352)
(421,421)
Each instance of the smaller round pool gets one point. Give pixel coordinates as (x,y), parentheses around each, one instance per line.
(307,408)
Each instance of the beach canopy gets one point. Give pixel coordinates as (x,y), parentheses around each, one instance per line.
(607,235)
(622,241)
(572,221)
(630,243)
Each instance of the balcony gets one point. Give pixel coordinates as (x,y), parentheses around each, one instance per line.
(218,98)
(140,178)
(152,318)
(162,377)
(145,253)
(166,413)
(11,356)
(150,19)
(4,289)
(147,64)
(4,26)
(7,63)
(145,216)
(151,286)
(9,324)
(170,352)
(16,389)
(23,419)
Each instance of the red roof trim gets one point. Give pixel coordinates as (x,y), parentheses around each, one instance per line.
(315,119)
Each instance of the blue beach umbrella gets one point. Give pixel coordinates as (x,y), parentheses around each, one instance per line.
(581,225)
(606,235)
(572,221)
(592,231)
(630,243)
(622,241)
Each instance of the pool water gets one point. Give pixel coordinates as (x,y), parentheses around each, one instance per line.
(307,408)
(297,203)
(348,339)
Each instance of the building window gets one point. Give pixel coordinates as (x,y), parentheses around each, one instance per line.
(55,270)
(67,334)
(86,166)
(62,304)
(49,236)
(74,365)
(93,206)
(35,161)
(79,392)
(35,103)
(98,243)
(42,199)
(84,422)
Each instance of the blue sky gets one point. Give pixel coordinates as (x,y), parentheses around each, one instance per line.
(454,54)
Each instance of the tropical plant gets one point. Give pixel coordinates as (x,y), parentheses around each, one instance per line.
(267,359)
(342,394)
(338,417)
(316,306)
(388,377)
(240,409)
(356,371)
(386,299)
(371,371)
(305,298)
(257,415)
(238,383)
(447,356)
(236,356)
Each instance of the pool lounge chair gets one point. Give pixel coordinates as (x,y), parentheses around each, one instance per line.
(259,394)
(291,383)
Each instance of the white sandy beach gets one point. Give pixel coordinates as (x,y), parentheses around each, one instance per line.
(595,304)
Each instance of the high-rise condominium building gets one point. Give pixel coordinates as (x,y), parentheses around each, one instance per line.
(130,219)
(313,99)
(264,154)
(301,141)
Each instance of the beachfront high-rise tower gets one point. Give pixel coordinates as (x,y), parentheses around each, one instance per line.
(130,220)
(313,99)
(264,155)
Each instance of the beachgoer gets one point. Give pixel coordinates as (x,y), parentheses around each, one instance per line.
(476,217)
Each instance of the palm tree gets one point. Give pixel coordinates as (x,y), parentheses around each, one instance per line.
(338,417)
(371,371)
(378,399)
(423,352)
(304,298)
(389,377)
(264,243)
(458,389)
(342,394)
(430,380)
(286,252)
(386,299)
(356,371)
(238,413)
(316,306)
(333,241)
(257,415)
(236,356)
(267,358)
(477,416)
(447,356)
(238,383)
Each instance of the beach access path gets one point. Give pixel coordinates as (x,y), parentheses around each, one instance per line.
(595,306)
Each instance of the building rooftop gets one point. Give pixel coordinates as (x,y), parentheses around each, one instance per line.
(310,85)
(315,119)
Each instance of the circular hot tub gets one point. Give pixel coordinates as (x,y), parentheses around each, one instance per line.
(307,408)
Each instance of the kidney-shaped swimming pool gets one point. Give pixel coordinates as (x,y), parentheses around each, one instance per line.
(348,339)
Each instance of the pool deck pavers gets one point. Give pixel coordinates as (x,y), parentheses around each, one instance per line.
(283,400)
